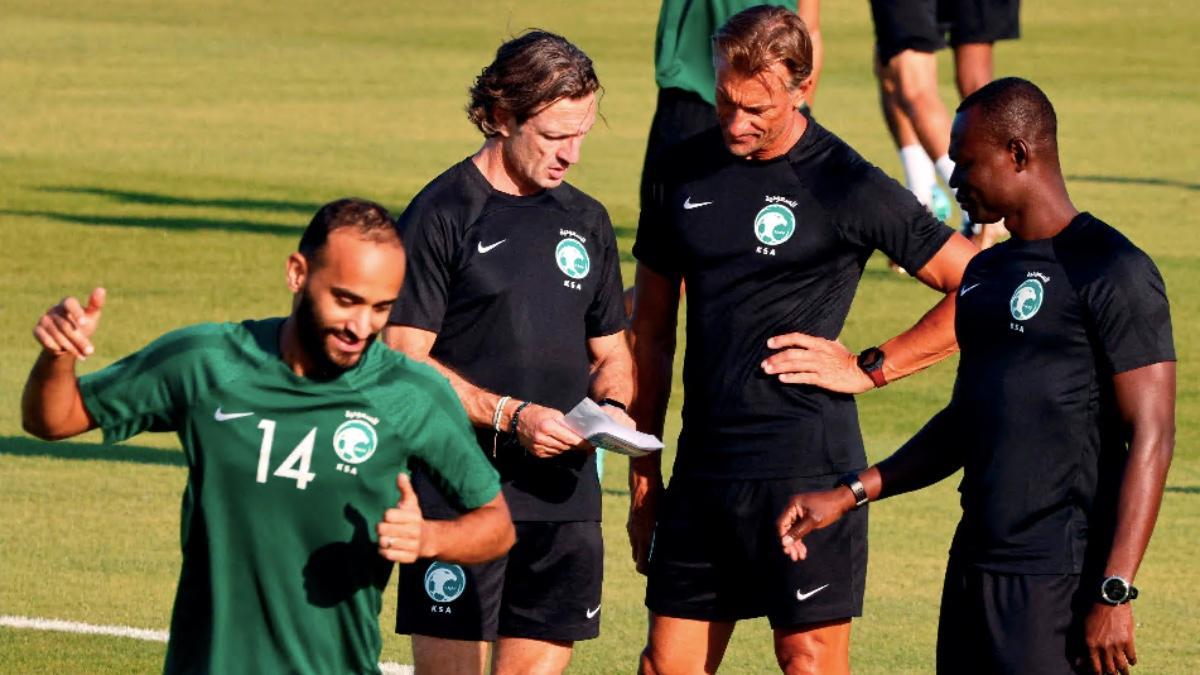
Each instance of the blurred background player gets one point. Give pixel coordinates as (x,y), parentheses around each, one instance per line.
(297,431)
(908,33)
(1062,416)
(515,295)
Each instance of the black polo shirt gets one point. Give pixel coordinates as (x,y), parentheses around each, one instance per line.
(514,287)
(1043,326)
(766,248)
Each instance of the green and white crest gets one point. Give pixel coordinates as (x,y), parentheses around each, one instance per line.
(572,258)
(445,583)
(1026,300)
(774,224)
(355,441)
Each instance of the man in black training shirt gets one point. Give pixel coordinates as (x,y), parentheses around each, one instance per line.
(1062,417)
(770,220)
(514,293)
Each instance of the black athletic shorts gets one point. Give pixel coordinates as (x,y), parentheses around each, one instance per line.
(1010,623)
(546,588)
(679,115)
(922,25)
(717,556)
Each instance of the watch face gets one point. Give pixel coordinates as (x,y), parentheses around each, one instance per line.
(870,359)
(1114,590)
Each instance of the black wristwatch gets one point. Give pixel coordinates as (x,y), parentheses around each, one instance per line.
(870,361)
(1117,591)
(851,481)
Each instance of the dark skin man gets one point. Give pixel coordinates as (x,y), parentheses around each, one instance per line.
(1018,178)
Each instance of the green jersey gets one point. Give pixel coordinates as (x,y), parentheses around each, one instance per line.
(683,57)
(287,478)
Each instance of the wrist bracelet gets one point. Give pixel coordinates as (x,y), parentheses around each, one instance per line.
(499,413)
(614,403)
(516,418)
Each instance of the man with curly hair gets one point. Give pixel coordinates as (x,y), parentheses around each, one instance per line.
(514,293)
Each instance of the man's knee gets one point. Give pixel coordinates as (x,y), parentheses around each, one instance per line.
(820,649)
(913,75)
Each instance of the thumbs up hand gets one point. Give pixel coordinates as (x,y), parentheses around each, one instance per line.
(401,532)
(66,329)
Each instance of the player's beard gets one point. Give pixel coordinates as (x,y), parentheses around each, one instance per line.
(312,340)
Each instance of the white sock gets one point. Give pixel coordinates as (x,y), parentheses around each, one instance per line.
(945,167)
(918,172)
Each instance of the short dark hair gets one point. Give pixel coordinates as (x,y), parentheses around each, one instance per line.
(755,39)
(1012,107)
(369,220)
(530,72)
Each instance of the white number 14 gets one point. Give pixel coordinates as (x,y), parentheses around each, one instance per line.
(301,455)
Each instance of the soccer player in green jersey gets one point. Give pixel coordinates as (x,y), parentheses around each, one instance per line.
(298,433)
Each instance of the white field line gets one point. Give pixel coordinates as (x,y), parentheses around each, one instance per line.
(388,667)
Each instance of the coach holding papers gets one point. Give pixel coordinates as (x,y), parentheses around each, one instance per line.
(514,293)
(1062,417)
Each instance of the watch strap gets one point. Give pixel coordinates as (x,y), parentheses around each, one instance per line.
(851,481)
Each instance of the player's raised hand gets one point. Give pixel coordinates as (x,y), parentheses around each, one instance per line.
(543,432)
(805,359)
(402,530)
(66,329)
(806,512)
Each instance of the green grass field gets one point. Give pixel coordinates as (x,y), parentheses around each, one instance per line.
(173,151)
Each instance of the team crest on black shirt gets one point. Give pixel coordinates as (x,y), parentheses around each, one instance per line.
(572,258)
(774,224)
(1026,300)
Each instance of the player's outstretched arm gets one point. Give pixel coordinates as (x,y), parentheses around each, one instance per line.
(806,359)
(479,535)
(929,457)
(541,429)
(655,312)
(51,405)
(1146,399)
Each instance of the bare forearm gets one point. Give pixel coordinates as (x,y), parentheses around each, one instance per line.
(1139,499)
(930,340)
(926,459)
(474,537)
(51,405)
(614,375)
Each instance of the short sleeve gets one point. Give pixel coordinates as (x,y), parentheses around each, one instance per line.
(606,314)
(652,246)
(429,245)
(1129,310)
(880,214)
(151,390)
(448,449)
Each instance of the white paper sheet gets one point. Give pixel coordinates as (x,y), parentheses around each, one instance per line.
(589,421)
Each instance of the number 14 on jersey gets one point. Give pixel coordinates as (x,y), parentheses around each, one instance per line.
(295,466)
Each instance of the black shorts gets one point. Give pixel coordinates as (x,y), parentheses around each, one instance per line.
(1010,623)
(546,588)
(717,556)
(921,25)
(679,115)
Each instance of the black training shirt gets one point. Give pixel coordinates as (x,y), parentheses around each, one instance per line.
(1043,327)
(514,287)
(766,248)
